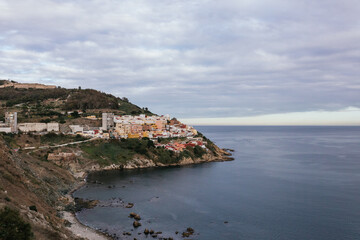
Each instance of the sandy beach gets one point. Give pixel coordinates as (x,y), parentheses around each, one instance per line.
(80,230)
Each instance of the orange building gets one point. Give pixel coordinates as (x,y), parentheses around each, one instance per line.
(160,124)
(136,128)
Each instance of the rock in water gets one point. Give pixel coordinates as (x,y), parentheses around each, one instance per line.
(129,205)
(188,233)
(136,224)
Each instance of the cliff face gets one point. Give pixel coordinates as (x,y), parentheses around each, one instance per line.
(220,155)
(143,162)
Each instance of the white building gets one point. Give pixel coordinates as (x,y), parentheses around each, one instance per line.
(53,127)
(5,129)
(39,127)
(33,127)
(76,128)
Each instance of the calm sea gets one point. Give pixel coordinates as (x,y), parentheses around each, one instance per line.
(285,183)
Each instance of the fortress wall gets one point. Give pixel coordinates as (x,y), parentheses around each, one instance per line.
(28,85)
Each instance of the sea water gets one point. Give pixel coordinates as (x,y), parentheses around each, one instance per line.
(285,183)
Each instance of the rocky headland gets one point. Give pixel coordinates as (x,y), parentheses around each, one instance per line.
(39,172)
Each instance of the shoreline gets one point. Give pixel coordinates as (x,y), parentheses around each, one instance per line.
(81,230)
(78,228)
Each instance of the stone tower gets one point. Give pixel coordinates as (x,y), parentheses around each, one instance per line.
(107,121)
(11,120)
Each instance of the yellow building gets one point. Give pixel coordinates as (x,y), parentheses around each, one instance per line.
(92,117)
(193,130)
(133,135)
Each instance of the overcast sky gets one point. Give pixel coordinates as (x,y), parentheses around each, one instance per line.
(193,59)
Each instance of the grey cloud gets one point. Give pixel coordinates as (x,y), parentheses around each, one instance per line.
(190,58)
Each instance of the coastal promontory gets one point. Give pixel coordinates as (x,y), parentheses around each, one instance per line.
(52,138)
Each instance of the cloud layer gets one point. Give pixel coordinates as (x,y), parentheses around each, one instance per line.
(190,58)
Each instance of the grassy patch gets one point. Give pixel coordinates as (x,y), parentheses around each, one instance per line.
(53,138)
(120,152)
(109,152)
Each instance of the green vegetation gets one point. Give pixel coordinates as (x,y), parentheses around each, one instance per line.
(109,152)
(16,96)
(167,140)
(31,102)
(9,139)
(120,152)
(53,138)
(186,154)
(91,99)
(209,144)
(166,157)
(199,151)
(12,226)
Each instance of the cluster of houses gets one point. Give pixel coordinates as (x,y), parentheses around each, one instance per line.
(180,146)
(117,127)
(146,126)
(129,126)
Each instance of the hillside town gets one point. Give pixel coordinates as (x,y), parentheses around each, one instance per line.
(116,127)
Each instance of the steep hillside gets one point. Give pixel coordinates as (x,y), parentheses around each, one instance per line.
(33,188)
(37,185)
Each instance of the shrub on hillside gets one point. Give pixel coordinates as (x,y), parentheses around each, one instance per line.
(12,226)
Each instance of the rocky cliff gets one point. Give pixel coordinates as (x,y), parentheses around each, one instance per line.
(38,187)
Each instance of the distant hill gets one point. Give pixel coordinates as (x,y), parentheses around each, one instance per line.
(53,101)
